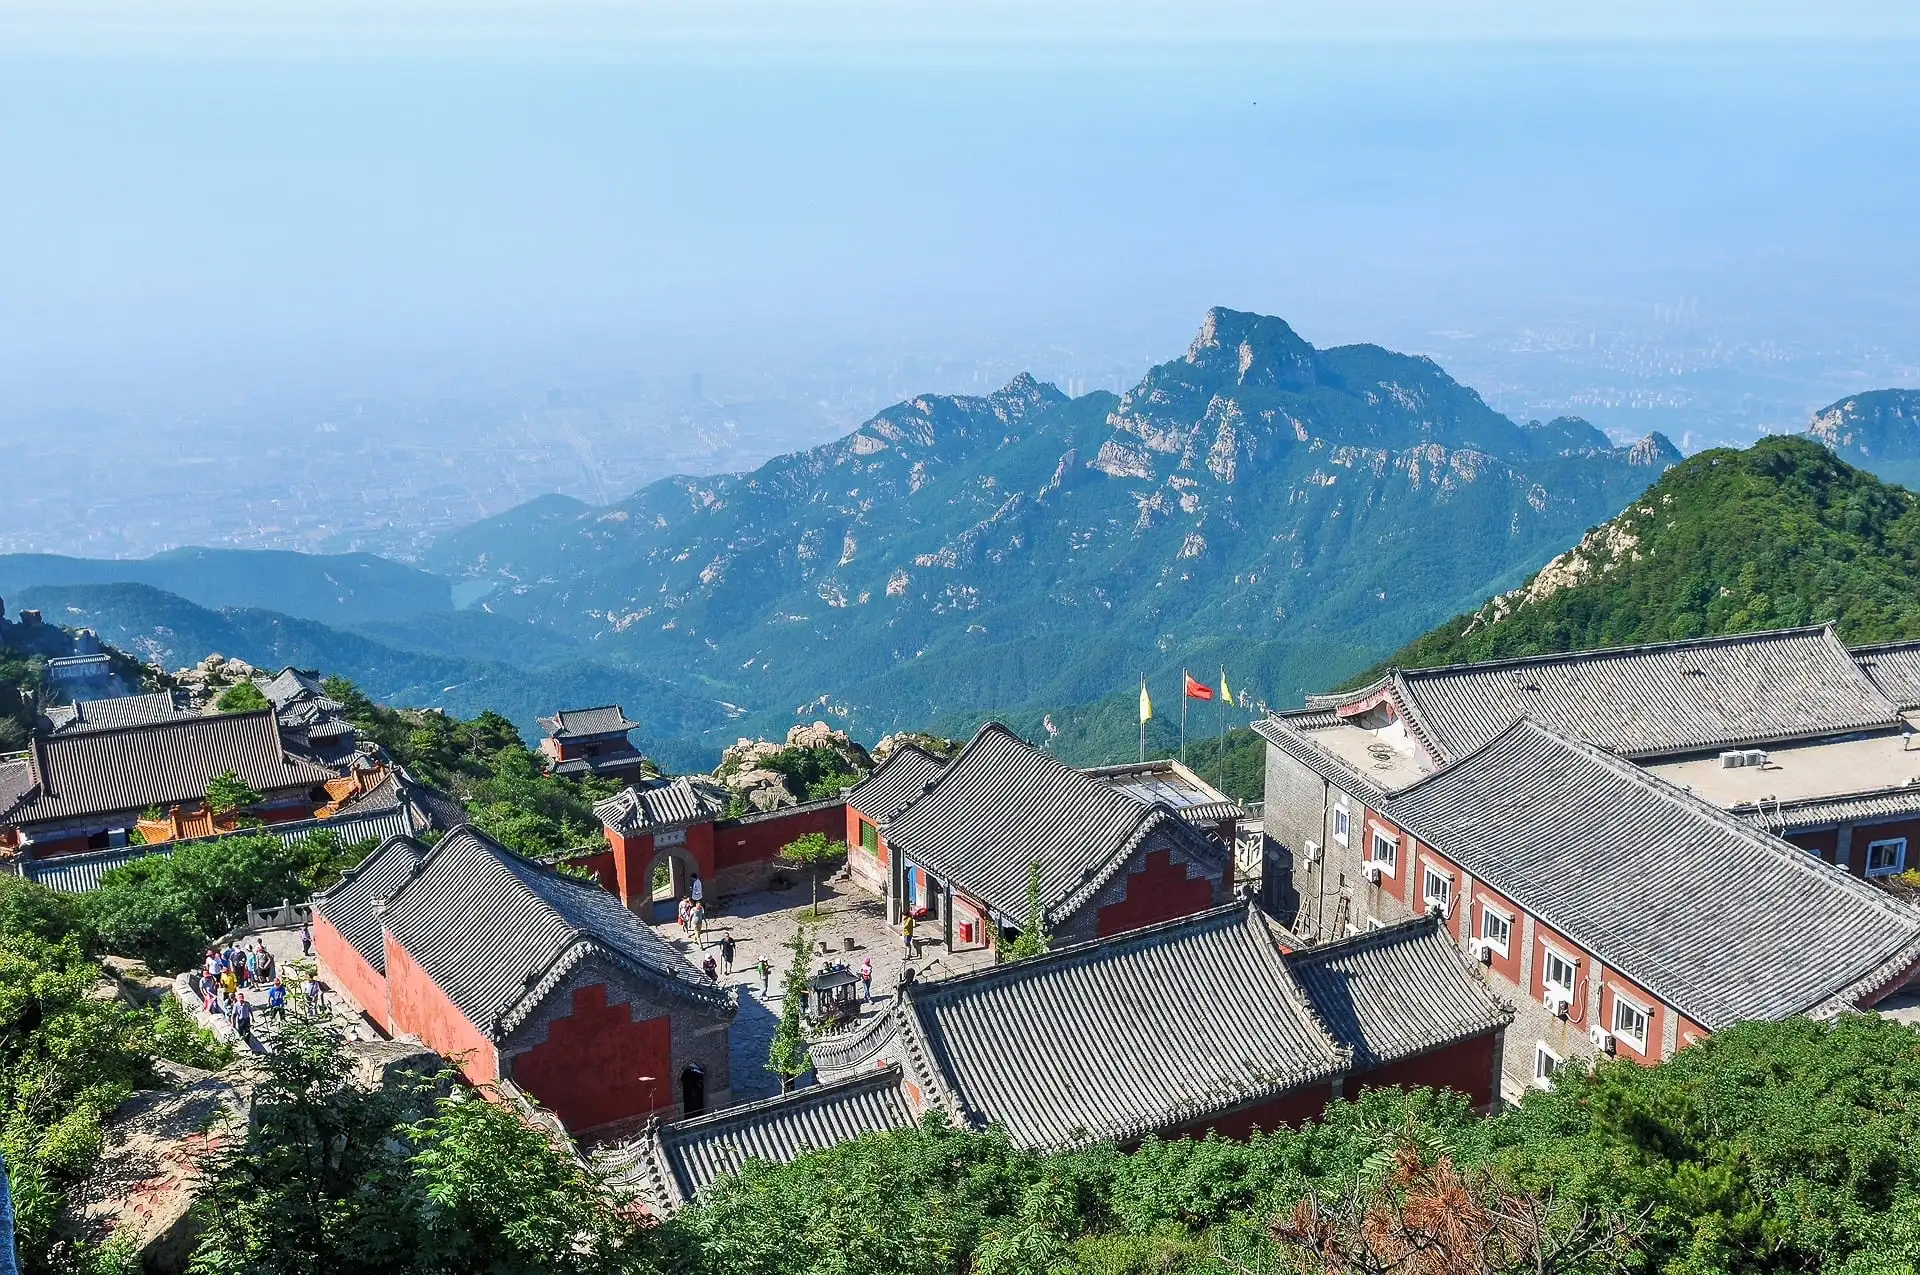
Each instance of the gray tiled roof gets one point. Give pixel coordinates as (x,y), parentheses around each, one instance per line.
(1646,701)
(108,771)
(1395,992)
(572,723)
(1716,918)
(1002,805)
(1166,780)
(1786,817)
(664,803)
(351,904)
(675,1162)
(16,784)
(896,783)
(1146,1031)
(1292,734)
(111,714)
(79,873)
(1894,668)
(291,685)
(496,932)
(302,703)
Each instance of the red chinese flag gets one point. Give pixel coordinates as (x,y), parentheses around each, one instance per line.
(1198,690)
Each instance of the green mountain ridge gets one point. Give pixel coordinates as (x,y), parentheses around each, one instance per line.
(1781,533)
(1257,502)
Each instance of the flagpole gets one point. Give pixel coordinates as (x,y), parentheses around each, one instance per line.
(1221,747)
(1184,697)
(1143,717)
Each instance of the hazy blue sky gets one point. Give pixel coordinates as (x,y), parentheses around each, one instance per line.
(204,193)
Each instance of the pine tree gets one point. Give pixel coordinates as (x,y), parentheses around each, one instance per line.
(787,1055)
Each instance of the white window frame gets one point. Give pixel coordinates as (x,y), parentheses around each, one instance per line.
(1548,986)
(1645,1012)
(1428,876)
(1342,823)
(1389,866)
(1543,1076)
(1899,863)
(1489,912)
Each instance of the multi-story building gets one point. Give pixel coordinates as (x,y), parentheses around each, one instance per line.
(1581,824)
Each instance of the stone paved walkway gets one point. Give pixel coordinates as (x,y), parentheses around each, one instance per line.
(762,924)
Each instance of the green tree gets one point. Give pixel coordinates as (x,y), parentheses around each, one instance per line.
(787,1054)
(813,851)
(242,697)
(227,792)
(1033,939)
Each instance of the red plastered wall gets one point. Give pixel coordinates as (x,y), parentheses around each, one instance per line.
(1158,890)
(1825,842)
(597,1065)
(1508,966)
(602,866)
(850,832)
(1292,1109)
(1611,985)
(737,842)
(1467,1067)
(1863,833)
(420,1007)
(359,980)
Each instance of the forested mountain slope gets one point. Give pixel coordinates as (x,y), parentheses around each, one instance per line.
(1878,431)
(1781,533)
(1256,502)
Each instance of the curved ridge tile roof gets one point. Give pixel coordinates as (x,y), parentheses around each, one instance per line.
(1116,1038)
(352,904)
(159,763)
(667,803)
(1001,805)
(1653,700)
(496,931)
(1398,991)
(1894,668)
(896,783)
(1718,919)
(674,1162)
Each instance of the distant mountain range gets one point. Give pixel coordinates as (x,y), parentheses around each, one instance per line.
(1877,431)
(1287,512)
(1779,534)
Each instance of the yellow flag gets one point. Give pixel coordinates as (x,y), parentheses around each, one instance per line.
(1146,705)
(1226,696)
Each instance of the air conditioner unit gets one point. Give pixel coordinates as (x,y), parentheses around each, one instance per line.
(1483,951)
(1734,759)
(1756,757)
(1374,874)
(1313,852)
(1559,1003)
(1602,1038)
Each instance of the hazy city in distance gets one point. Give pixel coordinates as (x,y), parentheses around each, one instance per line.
(265,298)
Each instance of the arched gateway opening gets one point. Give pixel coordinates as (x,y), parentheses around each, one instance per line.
(669,874)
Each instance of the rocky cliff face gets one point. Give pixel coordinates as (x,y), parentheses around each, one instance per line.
(1871,428)
(969,553)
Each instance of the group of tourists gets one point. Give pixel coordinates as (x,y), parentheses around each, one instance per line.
(228,974)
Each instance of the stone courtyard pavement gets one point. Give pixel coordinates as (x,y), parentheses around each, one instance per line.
(339,1010)
(762,923)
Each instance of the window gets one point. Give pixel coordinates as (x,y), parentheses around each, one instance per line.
(1342,819)
(869,838)
(1558,973)
(1436,888)
(1885,858)
(1545,1063)
(1386,851)
(1497,929)
(1630,1023)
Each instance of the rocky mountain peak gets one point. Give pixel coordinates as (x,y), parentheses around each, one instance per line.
(1657,450)
(1256,350)
(1026,389)
(1876,425)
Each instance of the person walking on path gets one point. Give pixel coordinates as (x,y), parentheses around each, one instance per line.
(686,917)
(699,925)
(243,1019)
(906,934)
(866,980)
(766,973)
(726,952)
(277,1001)
(696,890)
(306,938)
(711,970)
